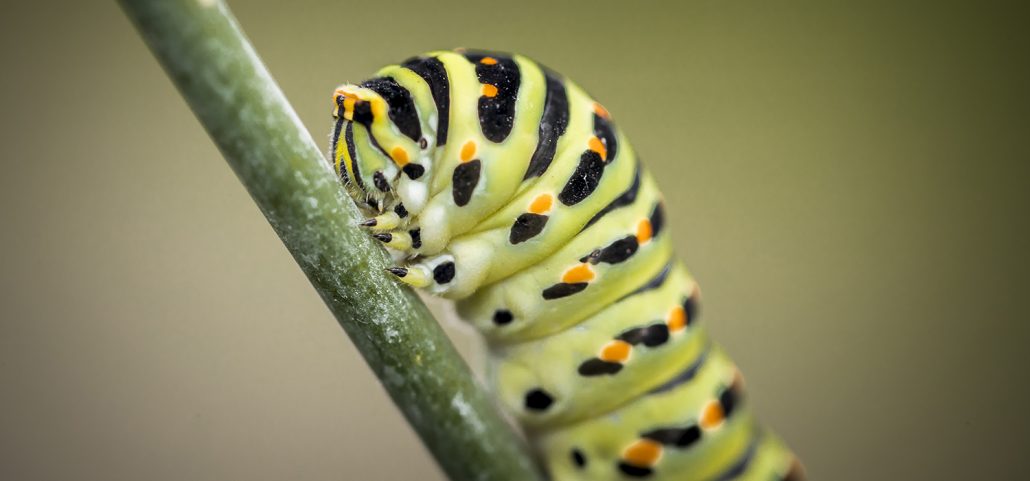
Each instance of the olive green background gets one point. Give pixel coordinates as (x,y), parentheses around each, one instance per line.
(848,180)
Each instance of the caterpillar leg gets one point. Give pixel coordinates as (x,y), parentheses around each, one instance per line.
(386,221)
(436,274)
(394,234)
(397,240)
(390,219)
(415,275)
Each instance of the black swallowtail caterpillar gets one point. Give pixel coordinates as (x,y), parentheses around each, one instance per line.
(508,189)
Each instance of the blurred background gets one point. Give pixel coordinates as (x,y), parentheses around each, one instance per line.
(848,180)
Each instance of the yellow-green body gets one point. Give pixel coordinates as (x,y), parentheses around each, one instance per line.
(595,289)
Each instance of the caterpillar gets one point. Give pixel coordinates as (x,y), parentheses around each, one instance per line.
(503,186)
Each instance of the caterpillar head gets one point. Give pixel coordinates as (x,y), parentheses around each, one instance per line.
(382,163)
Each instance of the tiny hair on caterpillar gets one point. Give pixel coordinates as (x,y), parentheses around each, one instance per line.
(501,185)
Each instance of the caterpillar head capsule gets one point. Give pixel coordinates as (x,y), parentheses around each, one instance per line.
(378,153)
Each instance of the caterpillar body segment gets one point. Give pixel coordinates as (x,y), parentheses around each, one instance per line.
(614,356)
(697,429)
(502,185)
(618,269)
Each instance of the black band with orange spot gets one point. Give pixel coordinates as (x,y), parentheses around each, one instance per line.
(497,111)
(402,107)
(605,131)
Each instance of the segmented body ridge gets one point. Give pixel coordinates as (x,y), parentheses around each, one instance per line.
(502,185)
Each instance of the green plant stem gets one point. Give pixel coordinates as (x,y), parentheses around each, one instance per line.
(202,49)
